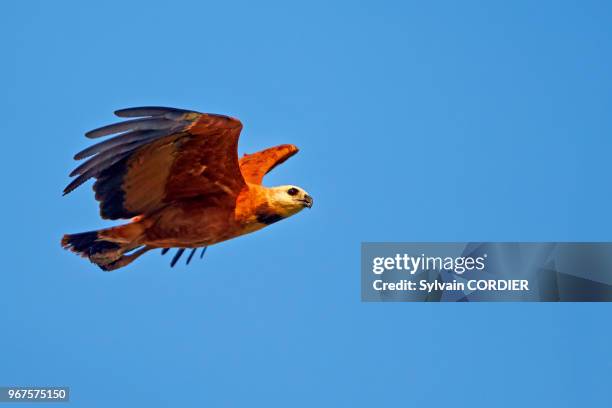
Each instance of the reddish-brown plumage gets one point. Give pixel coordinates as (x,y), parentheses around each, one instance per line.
(183,183)
(255,166)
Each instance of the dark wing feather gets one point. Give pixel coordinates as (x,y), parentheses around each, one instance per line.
(180,252)
(135,134)
(103,159)
(177,256)
(171,154)
(91,173)
(131,125)
(193,251)
(122,139)
(150,111)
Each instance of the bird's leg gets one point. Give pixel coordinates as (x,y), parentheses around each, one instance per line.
(125,259)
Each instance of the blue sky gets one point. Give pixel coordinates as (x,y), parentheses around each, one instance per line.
(417,121)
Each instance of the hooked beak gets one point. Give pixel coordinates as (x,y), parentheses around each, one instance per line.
(307,201)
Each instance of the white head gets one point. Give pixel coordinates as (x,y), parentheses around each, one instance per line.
(288,200)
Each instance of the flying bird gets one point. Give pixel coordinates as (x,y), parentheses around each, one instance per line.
(176,175)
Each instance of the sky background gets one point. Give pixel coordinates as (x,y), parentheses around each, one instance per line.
(417,121)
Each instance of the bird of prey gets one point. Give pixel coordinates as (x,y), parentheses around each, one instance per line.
(177,176)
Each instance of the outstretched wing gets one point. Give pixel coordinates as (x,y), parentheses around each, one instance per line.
(163,156)
(255,166)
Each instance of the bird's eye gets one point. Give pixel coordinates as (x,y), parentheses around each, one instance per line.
(292,191)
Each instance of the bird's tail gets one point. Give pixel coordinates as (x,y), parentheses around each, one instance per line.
(106,247)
